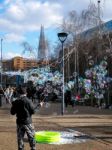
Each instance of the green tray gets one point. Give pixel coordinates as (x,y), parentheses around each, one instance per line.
(47,136)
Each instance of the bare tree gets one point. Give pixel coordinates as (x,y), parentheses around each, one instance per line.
(28,49)
(85,38)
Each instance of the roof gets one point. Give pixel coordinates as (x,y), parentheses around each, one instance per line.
(105,27)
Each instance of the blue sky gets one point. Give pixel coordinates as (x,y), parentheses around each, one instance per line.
(20,20)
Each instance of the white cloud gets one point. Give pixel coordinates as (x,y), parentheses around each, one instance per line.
(23,16)
(13,54)
(7,25)
(79,5)
(28,16)
(107,10)
(12,37)
(8,1)
(10,55)
(15,12)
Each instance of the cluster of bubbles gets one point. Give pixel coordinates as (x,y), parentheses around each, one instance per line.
(95,82)
(42,75)
(98,80)
(39,75)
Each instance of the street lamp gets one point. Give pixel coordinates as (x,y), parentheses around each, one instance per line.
(1,61)
(62,37)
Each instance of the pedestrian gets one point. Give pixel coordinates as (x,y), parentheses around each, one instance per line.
(68,100)
(8,94)
(23,108)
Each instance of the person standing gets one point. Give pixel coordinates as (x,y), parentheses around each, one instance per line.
(23,108)
(8,93)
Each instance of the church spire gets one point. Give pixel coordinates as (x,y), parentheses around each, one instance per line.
(42,48)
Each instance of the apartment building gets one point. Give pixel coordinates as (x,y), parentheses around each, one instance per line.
(19,63)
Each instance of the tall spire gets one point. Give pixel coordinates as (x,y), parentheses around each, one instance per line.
(42,48)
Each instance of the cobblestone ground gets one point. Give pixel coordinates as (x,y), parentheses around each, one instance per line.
(97,124)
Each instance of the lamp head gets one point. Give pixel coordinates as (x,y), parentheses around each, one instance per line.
(62,36)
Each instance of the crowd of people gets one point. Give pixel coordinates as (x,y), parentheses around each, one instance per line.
(36,93)
(49,92)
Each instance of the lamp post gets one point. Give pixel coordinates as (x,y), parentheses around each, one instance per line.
(62,37)
(1,61)
(1,73)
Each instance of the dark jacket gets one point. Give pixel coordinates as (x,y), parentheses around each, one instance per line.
(23,108)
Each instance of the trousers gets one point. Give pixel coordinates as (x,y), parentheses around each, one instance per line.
(29,130)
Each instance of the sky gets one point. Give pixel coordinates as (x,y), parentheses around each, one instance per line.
(20,21)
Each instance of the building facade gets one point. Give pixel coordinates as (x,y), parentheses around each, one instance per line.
(19,63)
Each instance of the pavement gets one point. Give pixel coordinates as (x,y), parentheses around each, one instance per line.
(93,122)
